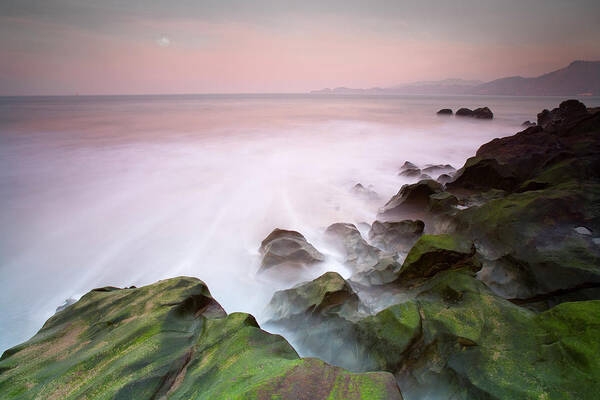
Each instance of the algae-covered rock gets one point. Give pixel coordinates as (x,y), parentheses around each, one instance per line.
(456,339)
(169,340)
(327,295)
(434,253)
(290,248)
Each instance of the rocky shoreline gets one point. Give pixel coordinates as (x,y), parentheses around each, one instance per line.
(483,283)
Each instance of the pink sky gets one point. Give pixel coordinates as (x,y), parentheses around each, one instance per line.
(185,54)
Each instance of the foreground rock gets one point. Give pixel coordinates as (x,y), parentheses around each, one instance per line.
(457,337)
(289,248)
(170,340)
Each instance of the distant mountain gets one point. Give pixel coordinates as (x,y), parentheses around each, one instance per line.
(579,78)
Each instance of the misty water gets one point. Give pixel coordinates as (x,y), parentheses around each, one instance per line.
(121,191)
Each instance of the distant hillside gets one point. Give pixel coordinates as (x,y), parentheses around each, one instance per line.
(579,78)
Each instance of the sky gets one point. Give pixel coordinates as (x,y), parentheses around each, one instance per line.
(69,47)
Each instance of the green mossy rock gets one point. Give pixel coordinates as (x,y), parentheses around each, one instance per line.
(434,253)
(170,340)
(329,294)
(458,340)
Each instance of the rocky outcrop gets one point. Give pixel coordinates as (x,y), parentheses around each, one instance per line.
(169,340)
(478,113)
(456,336)
(289,248)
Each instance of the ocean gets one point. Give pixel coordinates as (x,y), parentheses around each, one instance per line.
(127,190)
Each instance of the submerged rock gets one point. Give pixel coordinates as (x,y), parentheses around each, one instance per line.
(170,339)
(283,247)
(445,111)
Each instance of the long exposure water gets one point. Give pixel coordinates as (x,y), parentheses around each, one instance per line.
(126,190)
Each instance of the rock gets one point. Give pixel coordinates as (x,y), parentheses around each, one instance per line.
(409,199)
(346,238)
(582,230)
(367,193)
(438,169)
(483,113)
(464,112)
(456,336)
(424,177)
(328,295)
(445,111)
(66,304)
(434,253)
(528,124)
(483,174)
(568,111)
(169,339)
(408,165)
(289,248)
(479,113)
(442,202)
(317,317)
(410,172)
(444,178)
(385,271)
(396,236)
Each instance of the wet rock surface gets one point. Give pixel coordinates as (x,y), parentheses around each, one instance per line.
(170,340)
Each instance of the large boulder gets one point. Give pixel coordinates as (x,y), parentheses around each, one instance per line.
(456,337)
(410,199)
(396,237)
(290,248)
(169,340)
